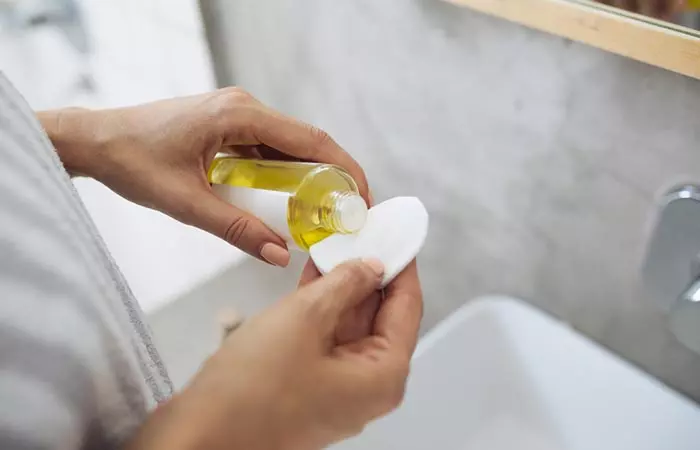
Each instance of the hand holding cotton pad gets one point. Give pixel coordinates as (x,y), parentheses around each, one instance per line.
(394,233)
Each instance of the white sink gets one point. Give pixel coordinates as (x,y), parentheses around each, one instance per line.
(500,375)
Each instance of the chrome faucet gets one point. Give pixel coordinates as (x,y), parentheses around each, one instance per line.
(671,270)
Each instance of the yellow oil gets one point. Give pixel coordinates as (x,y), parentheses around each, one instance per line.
(314,189)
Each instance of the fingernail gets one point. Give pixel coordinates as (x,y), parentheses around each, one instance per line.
(376,265)
(275,255)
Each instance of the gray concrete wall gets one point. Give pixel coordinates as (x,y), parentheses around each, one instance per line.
(538,158)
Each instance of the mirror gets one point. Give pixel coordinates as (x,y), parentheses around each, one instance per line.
(679,12)
(664,33)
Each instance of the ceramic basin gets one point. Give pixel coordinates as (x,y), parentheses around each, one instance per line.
(500,375)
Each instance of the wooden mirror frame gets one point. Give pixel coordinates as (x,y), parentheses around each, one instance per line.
(638,37)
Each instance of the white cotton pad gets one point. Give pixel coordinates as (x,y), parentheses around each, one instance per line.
(394,233)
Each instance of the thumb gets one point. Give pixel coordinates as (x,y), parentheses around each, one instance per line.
(238,228)
(343,288)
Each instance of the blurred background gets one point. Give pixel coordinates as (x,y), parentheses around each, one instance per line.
(674,12)
(541,160)
(102,54)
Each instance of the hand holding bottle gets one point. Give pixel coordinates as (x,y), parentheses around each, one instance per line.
(157,155)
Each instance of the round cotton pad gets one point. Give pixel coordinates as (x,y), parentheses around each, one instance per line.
(394,233)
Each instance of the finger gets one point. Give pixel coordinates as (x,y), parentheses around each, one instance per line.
(309,143)
(263,125)
(340,290)
(354,324)
(238,228)
(244,151)
(358,322)
(268,152)
(374,372)
(309,273)
(400,313)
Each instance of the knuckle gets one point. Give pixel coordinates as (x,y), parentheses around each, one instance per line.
(232,109)
(231,99)
(235,95)
(319,137)
(236,230)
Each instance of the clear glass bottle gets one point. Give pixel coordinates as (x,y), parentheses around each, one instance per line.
(303,202)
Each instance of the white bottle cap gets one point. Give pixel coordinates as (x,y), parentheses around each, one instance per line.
(350,213)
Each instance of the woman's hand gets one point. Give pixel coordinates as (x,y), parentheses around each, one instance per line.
(284,381)
(157,155)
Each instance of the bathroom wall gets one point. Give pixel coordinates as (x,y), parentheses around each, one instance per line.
(539,159)
(136,52)
(143,51)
